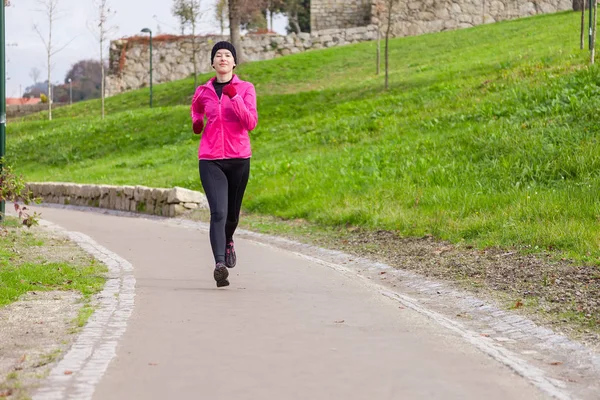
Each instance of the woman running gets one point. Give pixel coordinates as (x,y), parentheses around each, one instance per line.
(229,105)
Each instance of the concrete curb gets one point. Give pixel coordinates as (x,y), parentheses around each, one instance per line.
(79,371)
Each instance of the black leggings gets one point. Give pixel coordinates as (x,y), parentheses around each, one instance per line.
(224,183)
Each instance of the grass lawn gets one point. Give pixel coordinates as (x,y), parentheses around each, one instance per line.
(32,261)
(487,136)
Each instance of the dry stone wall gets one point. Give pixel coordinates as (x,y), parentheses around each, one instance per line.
(415,17)
(141,199)
(172,56)
(330,14)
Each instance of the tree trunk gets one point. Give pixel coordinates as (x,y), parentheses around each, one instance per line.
(234,29)
(102,69)
(387,39)
(378,47)
(582,42)
(194,51)
(578,5)
(483,11)
(295,23)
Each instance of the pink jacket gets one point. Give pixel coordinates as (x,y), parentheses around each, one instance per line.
(228,120)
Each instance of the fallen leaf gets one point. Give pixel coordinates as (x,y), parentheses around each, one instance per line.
(556,363)
(5,393)
(382,273)
(485,334)
(518,304)
(67,372)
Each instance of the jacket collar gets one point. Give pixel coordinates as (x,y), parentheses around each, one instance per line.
(234,79)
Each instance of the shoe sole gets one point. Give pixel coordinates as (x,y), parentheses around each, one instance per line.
(221,275)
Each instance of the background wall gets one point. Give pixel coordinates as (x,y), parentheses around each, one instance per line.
(334,23)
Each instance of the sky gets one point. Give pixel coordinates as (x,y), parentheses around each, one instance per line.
(25,49)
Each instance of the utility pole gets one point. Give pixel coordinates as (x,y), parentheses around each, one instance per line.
(148,30)
(591,16)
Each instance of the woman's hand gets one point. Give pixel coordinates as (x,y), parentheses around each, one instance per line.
(198,126)
(230,91)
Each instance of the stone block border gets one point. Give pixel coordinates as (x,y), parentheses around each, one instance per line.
(140,199)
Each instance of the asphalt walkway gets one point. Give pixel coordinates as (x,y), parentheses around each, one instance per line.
(285,329)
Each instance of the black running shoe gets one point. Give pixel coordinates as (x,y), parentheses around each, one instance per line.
(230,258)
(221,274)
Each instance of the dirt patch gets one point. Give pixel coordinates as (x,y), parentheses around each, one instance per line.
(34,333)
(36,330)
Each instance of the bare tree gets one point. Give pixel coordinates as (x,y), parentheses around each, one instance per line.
(35,74)
(379,13)
(181,11)
(580,4)
(189,13)
(483,11)
(221,13)
(195,15)
(51,12)
(389,5)
(101,30)
(270,9)
(234,27)
(292,8)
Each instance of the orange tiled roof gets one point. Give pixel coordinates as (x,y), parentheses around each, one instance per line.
(18,101)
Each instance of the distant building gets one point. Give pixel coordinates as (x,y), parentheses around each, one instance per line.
(17,101)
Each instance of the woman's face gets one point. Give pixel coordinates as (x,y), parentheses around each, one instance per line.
(223,62)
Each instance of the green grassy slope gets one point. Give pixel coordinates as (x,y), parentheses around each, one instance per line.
(487,135)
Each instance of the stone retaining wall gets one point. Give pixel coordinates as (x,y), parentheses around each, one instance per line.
(413,17)
(129,66)
(141,199)
(334,23)
(328,14)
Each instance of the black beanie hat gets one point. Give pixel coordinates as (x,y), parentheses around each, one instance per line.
(222,45)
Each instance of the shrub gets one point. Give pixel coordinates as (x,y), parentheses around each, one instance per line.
(12,188)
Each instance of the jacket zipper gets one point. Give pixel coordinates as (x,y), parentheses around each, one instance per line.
(220,122)
(222,133)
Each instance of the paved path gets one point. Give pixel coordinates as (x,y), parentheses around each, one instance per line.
(285,329)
